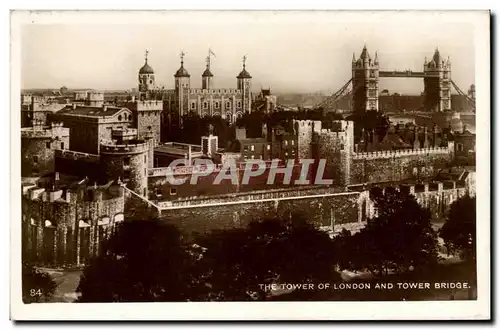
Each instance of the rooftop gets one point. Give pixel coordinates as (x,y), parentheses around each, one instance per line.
(81,110)
(179,149)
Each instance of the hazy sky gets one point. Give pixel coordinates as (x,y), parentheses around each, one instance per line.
(305,55)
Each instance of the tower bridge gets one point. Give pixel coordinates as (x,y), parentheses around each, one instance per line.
(363,86)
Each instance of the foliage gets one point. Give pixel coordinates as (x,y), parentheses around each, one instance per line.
(399,237)
(459,230)
(148,261)
(194,127)
(143,261)
(37,286)
(238,261)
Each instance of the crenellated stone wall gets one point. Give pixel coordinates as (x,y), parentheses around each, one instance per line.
(398,165)
(66,228)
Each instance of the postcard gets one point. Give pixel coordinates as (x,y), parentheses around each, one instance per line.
(250,165)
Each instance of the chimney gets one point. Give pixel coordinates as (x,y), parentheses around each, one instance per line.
(104,108)
(74,106)
(56,176)
(464,128)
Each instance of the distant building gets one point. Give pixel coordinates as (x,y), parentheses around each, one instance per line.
(229,103)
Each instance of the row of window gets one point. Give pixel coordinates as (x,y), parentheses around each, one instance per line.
(158,192)
(216,105)
(124,117)
(268,147)
(291,154)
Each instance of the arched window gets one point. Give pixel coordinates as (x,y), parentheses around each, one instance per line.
(119,117)
(83,223)
(103,221)
(129,117)
(119,217)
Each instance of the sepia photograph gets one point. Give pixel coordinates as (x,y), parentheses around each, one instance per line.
(292,164)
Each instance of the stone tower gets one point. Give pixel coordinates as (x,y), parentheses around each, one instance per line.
(437,83)
(182,86)
(147,118)
(365,82)
(146,79)
(244,83)
(127,161)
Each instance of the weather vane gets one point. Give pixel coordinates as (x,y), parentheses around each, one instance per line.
(146,54)
(244,60)
(210,53)
(182,56)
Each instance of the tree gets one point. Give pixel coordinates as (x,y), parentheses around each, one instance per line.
(238,262)
(143,261)
(399,236)
(459,230)
(37,286)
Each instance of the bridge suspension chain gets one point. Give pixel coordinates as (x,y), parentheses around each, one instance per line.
(461,93)
(335,97)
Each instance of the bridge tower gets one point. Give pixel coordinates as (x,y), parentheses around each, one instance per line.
(365,76)
(437,83)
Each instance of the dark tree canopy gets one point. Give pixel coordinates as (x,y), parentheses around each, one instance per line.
(400,236)
(143,261)
(459,230)
(237,261)
(194,127)
(150,261)
(37,286)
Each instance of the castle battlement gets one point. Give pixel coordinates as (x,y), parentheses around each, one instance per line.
(75,155)
(130,148)
(145,105)
(401,153)
(332,131)
(69,195)
(214,91)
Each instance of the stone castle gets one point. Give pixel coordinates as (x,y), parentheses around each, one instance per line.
(81,162)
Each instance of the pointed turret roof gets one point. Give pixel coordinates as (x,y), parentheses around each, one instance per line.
(146,69)
(364,54)
(182,72)
(244,73)
(207,73)
(436,57)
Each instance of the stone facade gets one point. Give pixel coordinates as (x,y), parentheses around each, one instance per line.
(365,77)
(38,144)
(127,162)
(325,207)
(91,125)
(417,164)
(322,208)
(66,227)
(147,118)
